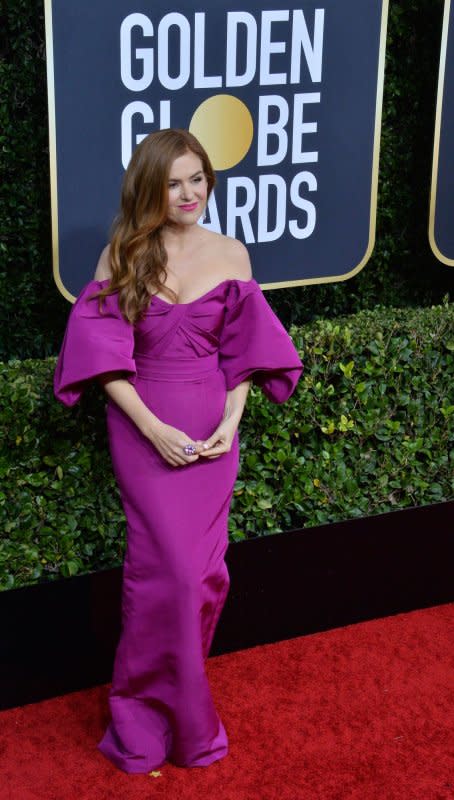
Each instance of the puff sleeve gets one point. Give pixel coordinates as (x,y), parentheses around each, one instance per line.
(254,344)
(94,343)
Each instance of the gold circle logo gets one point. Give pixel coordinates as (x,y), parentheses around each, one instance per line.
(223,125)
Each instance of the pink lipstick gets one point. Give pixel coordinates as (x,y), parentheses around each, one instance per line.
(189,207)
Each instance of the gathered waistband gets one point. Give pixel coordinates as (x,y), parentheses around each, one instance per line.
(175,369)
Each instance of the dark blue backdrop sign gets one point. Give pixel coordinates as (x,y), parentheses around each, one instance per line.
(441,228)
(286,98)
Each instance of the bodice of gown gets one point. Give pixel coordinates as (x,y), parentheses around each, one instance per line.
(183,330)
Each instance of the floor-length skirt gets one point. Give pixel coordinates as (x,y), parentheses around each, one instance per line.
(175,580)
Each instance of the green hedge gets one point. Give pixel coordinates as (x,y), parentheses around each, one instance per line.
(402,270)
(369,429)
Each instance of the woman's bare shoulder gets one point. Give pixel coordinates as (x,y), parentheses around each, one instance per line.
(231,256)
(103,267)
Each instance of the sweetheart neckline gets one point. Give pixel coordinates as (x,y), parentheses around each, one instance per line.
(201,297)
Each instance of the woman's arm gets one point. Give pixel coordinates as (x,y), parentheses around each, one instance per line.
(125,396)
(236,401)
(221,440)
(103,266)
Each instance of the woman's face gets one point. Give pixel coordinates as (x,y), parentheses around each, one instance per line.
(187,190)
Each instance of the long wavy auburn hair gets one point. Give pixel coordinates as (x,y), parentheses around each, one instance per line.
(138,257)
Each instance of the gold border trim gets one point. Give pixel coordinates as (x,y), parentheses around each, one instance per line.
(276,284)
(436,151)
(53,147)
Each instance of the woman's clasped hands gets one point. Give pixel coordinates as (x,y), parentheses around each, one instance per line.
(170,441)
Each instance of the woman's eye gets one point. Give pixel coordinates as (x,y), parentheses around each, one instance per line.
(197,180)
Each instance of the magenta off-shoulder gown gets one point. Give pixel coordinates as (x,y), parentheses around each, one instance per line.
(181,359)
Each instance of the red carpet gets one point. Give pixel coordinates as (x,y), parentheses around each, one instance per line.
(357,713)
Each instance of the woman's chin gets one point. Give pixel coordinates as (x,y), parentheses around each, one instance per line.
(183,220)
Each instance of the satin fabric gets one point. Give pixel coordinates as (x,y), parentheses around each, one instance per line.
(182,359)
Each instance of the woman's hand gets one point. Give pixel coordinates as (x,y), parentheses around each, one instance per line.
(169,442)
(221,440)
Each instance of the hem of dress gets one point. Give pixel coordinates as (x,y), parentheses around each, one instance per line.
(131,769)
(202,762)
(219,749)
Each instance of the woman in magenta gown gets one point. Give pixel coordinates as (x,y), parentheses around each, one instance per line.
(176,374)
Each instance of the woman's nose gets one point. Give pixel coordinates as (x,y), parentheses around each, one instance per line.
(186,191)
